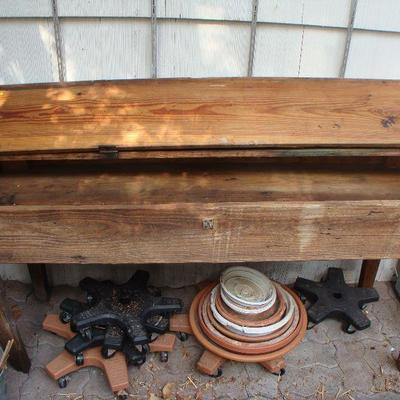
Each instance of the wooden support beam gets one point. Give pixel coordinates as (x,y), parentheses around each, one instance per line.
(212,232)
(18,357)
(368,273)
(40,282)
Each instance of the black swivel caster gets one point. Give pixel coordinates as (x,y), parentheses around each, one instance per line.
(164,356)
(302,298)
(122,396)
(139,362)
(350,329)
(63,382)
(107,353)
(217,374)
(79,359)
(65,317)
(89,299)
(183,336)
(280,373)
(145,349)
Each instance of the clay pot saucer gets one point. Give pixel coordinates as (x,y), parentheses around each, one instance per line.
(243,338)
(245,347)
(264,319)
(212,347)
(243,329)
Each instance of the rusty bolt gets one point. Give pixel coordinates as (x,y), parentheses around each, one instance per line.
(208,223)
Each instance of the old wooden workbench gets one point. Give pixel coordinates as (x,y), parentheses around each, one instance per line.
(213,170)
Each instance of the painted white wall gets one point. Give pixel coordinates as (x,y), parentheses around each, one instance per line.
(104,39)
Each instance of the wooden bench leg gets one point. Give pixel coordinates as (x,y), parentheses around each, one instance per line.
(18,357)
(369,270)
(39,279)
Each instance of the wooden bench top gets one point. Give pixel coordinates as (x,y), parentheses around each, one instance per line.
(184,114)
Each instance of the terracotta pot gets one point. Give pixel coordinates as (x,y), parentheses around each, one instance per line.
(237,346)
(229,355)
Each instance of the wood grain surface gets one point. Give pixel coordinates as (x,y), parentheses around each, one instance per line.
(184,233)
(205,113)
(130,185)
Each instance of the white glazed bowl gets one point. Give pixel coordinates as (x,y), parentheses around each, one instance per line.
(246,287)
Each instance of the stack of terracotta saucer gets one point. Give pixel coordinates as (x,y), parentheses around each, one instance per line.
(246,317)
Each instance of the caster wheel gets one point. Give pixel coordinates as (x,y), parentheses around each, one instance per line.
(303,298)
(89,299)
(79,359)
(164,356)
(217,374)
(123,396)
(145,349)
(280,373)
(86,334)
(62,382)
(183,336)
(107,353)
(364,307)
(138,363)
(310,325)
(65,317)
(350,329)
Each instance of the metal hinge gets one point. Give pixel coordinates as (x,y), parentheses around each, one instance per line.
(107,150)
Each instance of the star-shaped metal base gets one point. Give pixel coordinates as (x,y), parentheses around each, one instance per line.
(334,298)
(117,317)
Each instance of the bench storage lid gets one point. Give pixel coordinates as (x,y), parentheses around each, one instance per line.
(202,114)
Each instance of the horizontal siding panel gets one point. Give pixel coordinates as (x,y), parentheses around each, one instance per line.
(104,8)
(238,10)
(294,51)
(322,52)
(107,49)
(374,55)
(378,15)
(25,8)
(202,49)
(277,51)
(27,52)
(333,13)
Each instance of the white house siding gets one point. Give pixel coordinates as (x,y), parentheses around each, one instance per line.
(103,39)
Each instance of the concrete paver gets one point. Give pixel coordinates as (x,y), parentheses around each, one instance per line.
(329,364)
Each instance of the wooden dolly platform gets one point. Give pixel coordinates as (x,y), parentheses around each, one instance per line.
(211,170)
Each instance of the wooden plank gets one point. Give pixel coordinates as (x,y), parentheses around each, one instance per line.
(151,184)
(18,357)
(216,233)
(230,154)
(201,113)
(368,273)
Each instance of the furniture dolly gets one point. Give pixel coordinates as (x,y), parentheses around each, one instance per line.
(198,171)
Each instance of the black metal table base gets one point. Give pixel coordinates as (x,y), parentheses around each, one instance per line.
(334,298)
